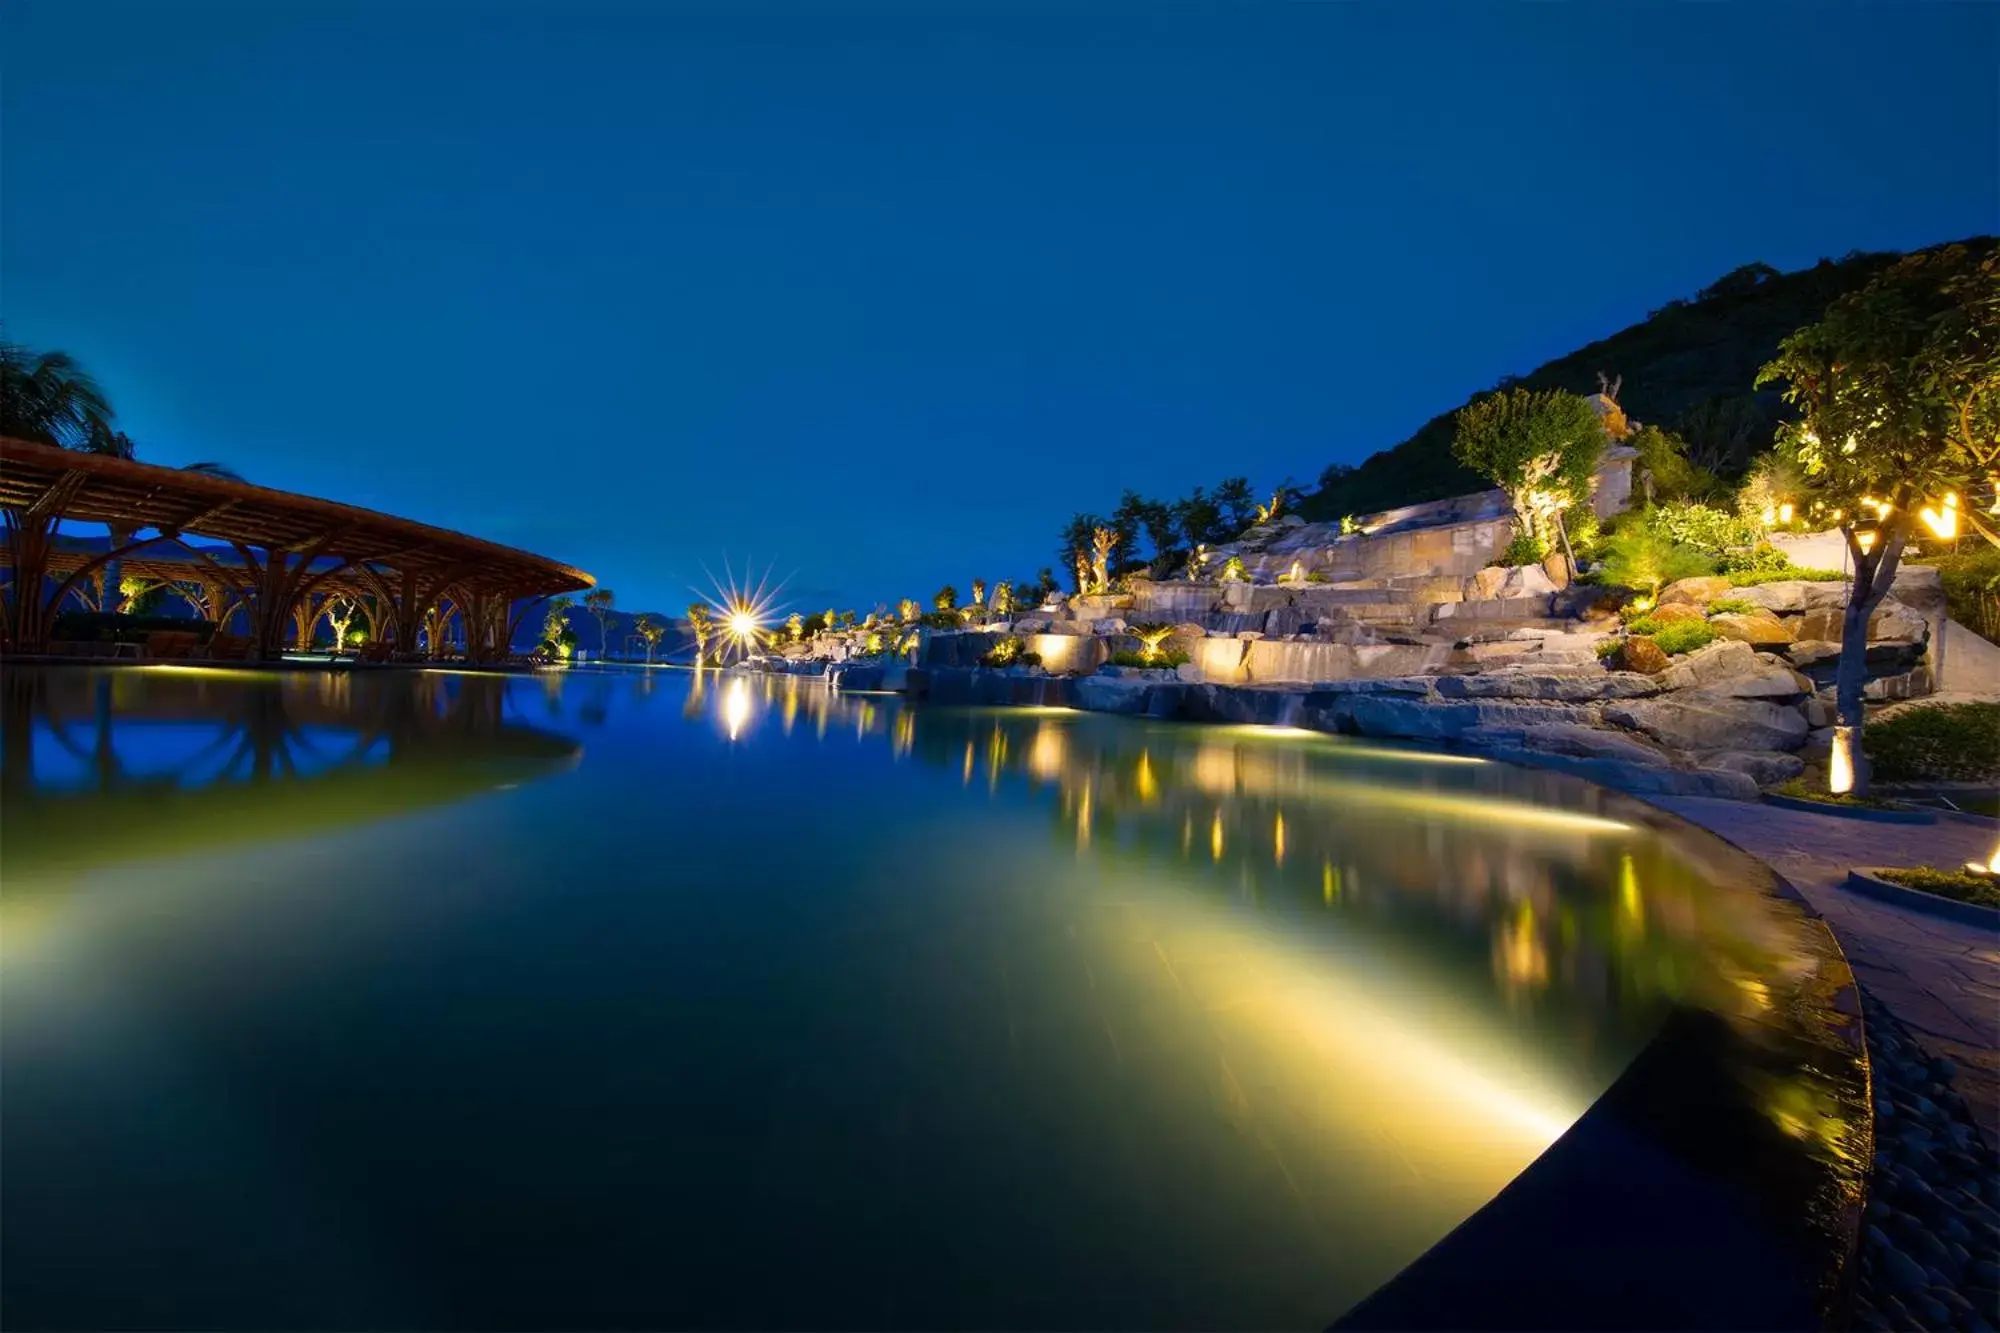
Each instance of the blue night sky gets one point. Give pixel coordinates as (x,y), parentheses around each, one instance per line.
(880,296)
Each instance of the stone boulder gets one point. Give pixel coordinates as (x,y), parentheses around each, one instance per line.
(1284,620)
(1432,719)
(1108,625)
(1892,620)
(1696,592)
(1921,588)
(1486,584)
(1186,638)
(1809,653)
(1759,629)
(1555,686)
(1766,768)
(1142,692)
(1640,654)
(1033,625)
(1676,613)
(1527,581)
(1911,684)
(1794,596)
(1695,721)
(1571,739)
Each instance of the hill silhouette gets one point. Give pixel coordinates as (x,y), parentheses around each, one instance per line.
(1687,367)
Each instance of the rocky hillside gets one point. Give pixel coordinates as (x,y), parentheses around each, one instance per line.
(1687,367)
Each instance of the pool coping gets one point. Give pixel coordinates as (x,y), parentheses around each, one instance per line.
(1651,1200)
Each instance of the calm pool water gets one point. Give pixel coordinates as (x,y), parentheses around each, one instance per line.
(629,1000)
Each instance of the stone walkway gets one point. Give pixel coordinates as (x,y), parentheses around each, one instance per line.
(1940,977)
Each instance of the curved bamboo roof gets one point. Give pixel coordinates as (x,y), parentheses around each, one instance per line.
(97,488)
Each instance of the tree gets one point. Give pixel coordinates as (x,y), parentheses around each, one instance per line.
(598,602)
(945,598)
(1199,519)
(1238,505)
(907,610)
(651,629)
(47,398)
(1664,471)
(1003,599)
(557,636)
(1045,584)
(1075,543)
(340,611)
(795,626)
(1541,448)
(1898,393)
(701,624)
(1103,543)
(213,470)
(979,592)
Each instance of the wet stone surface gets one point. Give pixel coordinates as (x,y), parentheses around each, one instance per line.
(1930,1244)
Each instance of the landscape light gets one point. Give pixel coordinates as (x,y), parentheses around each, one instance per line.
(1785,512)
(1840,762)
(1944,519)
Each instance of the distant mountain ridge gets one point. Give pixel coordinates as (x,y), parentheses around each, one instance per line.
(1687,367)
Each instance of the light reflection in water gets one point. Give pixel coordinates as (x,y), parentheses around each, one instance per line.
(1276,1070)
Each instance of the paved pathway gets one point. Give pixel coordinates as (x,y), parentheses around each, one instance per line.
(1941,978)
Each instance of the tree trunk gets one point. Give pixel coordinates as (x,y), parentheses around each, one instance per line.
(1873,573)
(1569,556)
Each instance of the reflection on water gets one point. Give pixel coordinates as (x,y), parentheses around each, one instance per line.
(784,1007)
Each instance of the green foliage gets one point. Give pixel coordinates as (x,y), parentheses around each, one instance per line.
(1897,386)
(1609,647)
(1763,558)
(1524,550)
(1971,579)
(1936,743)
(1238,504)
(1960,885)
(110,627)
(1774,480)
(1786,574)
(1643,553)
(47,398)
(1703,527)
(941,619)
(1722,606)
(1586,534)
(1164,660)
(1665,473)
(1010,652)
(1682,636)
(944,599)
(1539,447)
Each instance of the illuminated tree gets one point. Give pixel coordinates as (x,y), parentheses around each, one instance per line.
(340,611)
(701,624)
(1103,541)
(1003,599)
(598,602)
(979,592)
(1541,448)
(1898,394)
(795,627)
(651,629)
(907,610)
(945,598)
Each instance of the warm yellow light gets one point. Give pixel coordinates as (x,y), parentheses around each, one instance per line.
(1215,837)
(1278,839)
(1865,539)
(742,624)
(736,707)
(1944,522)
(1769,516)
(1785,512)
(1143,782)
(1840,762)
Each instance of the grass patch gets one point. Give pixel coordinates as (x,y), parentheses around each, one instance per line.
(1682,636)
(1731,606)
(1801,790)
(1750,578)
(1936,743)
(1959,885)
(1163,661)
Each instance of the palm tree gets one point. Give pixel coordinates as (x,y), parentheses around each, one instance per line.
(652,630)
(213,470)
(47,398)
(701,621)
(598,602)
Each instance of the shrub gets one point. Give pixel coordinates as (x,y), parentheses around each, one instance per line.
(1763,558)
(1525,549)
(1703,527)
(111,627)
(1643,553)
(1936,743)
(1684,636)
(1163,660)
(1731,606)
(1972,588)
(1642,625)
(1961,885)
(1609,647)
(1794,572)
